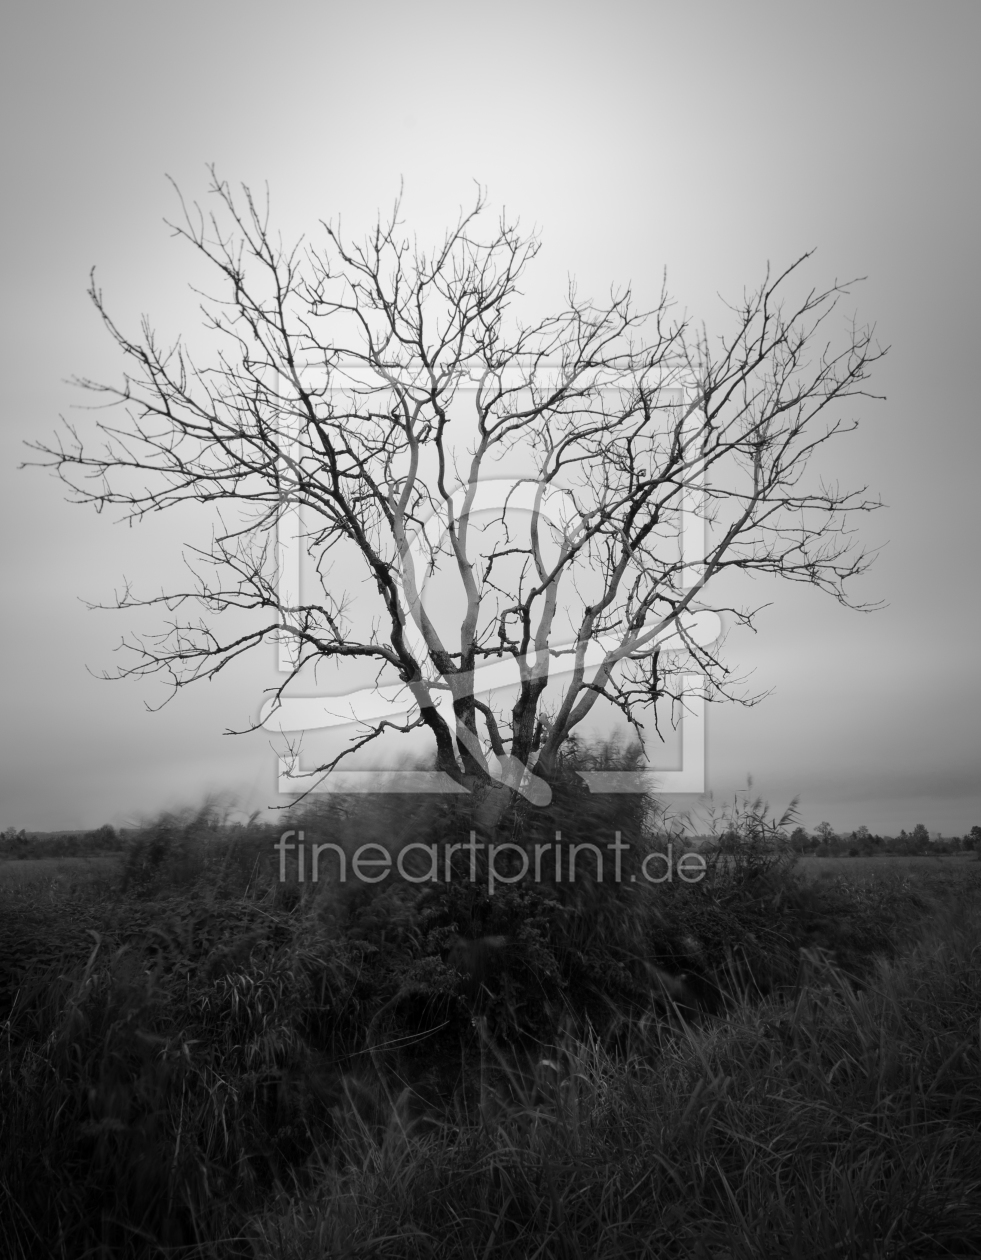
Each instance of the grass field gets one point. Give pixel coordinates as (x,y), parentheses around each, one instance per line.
(201,1063)
(63,870)
(953,866)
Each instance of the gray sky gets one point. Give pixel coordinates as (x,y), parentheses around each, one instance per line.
(706,138)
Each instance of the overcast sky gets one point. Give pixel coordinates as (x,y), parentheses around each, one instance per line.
(708,139)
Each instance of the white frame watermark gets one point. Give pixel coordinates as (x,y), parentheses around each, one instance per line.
(297,714)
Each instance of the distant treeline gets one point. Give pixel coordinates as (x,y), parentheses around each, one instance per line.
(824,842)
(827,843)
(859,843)
(22,844)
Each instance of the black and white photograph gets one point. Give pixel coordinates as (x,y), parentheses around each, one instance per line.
(492,731)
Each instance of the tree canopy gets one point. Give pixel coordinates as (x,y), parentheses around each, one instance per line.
(480,503)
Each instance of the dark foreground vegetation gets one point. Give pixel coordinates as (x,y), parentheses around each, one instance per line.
(197,1059)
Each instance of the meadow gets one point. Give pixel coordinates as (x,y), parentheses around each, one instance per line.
(55,872)
(200,1060)
(952,866)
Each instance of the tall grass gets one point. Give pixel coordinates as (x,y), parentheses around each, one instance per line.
(826,1123)
(203,1061)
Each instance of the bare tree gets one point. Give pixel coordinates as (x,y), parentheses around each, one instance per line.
(538,475)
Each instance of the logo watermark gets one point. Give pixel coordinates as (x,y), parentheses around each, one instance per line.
(371,863)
